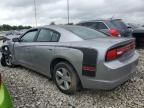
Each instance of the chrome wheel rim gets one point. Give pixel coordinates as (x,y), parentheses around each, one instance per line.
(63,78)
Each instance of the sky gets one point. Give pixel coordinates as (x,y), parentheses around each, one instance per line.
(21,12)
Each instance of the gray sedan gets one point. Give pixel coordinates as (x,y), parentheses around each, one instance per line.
(73,56)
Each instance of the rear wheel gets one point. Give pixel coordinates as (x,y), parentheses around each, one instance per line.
(65,78)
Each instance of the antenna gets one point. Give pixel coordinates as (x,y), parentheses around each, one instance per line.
(35,12)
(68,11)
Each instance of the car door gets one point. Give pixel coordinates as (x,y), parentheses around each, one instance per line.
(43,50)
(23,47)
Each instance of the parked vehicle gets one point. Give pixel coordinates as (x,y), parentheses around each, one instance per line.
(12,32)
(74,56)
(9,38)
(138,34)
(132,26)
(112,27)
(5,99)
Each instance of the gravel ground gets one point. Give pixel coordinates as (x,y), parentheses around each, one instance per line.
(31,90)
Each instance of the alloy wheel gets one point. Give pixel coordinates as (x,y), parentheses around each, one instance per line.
(63,78)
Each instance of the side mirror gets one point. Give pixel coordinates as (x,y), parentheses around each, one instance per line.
(16,40)
(129,27)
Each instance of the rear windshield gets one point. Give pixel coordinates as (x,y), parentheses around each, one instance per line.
(119,24)
(84,32)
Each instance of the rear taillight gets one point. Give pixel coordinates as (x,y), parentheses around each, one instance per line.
(111,55)
(115,53)
(114,33)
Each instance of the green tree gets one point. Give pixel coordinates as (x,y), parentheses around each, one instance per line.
(6,27)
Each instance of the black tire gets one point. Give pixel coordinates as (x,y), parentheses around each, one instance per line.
(3,63)
(8,61)
(72,74)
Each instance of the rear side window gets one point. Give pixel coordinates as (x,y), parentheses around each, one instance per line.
(46,35)
(97,25)
(84,32)
(87,24)
(101,25)
(119,24)
(55,37)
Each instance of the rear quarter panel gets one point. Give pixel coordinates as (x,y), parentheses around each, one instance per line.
(74,56)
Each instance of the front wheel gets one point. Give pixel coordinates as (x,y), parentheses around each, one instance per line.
(7,61)
(3,62)
(65,78)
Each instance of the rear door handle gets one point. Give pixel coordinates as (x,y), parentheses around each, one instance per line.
(50,49)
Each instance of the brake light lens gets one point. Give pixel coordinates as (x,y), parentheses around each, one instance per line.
(111,55)
(114,33)
(115,53)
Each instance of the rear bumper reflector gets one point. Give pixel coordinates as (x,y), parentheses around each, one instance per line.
(89,68)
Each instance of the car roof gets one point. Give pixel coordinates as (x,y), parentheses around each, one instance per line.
(61,29)
(55,26)
(100,20)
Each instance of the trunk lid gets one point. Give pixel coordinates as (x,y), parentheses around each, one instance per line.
(106,44)
(101,43)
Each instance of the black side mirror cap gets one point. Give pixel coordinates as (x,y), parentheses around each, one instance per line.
(16,40)
(129,27)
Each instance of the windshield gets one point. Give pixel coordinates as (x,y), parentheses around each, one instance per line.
(84,32)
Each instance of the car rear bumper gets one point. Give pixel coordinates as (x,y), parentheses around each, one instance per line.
(107,85)
(5,99)
(113,77)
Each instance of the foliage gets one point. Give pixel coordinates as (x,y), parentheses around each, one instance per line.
(6,27)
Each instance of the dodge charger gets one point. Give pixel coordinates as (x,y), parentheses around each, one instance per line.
(73,56)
